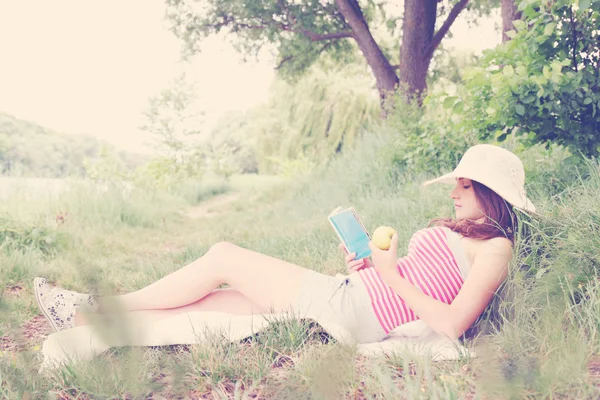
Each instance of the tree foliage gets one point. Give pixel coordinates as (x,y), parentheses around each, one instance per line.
(28,149)
(231,146)
(316,117)
(172,117)
(303,123)
(544,84)
(302,30)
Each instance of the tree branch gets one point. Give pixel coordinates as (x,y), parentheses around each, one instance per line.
(317,37)
(289,58)
(439,35)
(286,59)
(574,57)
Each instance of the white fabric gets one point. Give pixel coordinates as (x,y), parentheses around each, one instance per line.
(86,342)
(459,252)
(496,168)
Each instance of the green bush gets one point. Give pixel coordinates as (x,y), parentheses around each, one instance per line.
(17,236)
(322,114)
(425,139)
(542,85)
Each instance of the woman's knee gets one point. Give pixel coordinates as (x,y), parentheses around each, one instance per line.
(220,250)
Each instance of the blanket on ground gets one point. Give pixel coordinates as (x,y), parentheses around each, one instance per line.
(86,342)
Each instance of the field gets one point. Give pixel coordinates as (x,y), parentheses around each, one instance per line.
(540,341)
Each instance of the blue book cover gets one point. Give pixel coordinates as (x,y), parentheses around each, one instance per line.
(351,231)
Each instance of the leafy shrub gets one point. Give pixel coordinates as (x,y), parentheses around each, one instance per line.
(162,173)
(290,168)
(428,139)
(45,239)
(543,84)
(231,145)
(319,116)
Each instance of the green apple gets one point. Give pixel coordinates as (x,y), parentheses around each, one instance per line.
(382,237)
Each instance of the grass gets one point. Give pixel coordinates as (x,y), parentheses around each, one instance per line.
(547,324)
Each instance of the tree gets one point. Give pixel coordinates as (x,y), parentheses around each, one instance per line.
(302,30)
(509,14)
(28,149)
(171,116)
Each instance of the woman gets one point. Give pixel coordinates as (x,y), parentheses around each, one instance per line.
(451,272)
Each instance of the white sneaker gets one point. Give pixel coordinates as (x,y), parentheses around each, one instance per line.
(60,305)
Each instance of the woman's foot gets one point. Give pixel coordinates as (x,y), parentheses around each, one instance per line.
(60,305)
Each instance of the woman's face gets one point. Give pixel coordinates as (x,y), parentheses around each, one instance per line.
(466,205)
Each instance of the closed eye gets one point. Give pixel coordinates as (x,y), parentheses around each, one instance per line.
(466,187)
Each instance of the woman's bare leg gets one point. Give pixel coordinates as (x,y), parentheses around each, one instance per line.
(270,283)
(223,300)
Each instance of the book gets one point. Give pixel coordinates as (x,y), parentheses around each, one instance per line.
(351,231)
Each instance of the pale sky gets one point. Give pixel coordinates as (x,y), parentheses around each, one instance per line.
(80,66)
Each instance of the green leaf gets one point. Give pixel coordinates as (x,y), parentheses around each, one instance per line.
(511,34)
(519,24)
(508,71)
(530,13)
(449,101)
(521,70)
(540,92)
(587,101)
(520,109)
(523,5)
(584,4)
(549,29)
(557,68)
(458,107)
(528,99)
(546,71)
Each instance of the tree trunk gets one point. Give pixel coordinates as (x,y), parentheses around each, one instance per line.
(385,76)
(417,34)
(509,14)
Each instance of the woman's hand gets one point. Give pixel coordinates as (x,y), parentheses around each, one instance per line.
(352,264)
(385,261)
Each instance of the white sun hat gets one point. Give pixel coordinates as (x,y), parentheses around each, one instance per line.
(496,168)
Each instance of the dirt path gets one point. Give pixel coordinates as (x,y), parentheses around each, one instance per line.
(212,207)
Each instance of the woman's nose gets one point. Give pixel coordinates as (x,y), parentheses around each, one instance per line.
(454,194)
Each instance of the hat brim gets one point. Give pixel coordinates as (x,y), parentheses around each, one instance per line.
(449,179)
(523,204)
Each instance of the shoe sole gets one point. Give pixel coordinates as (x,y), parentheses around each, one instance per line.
(36,287)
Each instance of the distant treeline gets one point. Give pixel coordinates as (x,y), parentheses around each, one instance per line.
(28,149)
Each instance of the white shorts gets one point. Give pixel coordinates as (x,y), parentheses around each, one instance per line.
(342,299)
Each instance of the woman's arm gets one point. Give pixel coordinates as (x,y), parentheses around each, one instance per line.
(490,268)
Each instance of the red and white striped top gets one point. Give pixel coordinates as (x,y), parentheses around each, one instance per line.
(429,265)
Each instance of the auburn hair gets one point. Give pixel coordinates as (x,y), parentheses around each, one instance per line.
(500,218)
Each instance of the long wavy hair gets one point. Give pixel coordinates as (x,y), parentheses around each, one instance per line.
(500,221)
(500,218)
